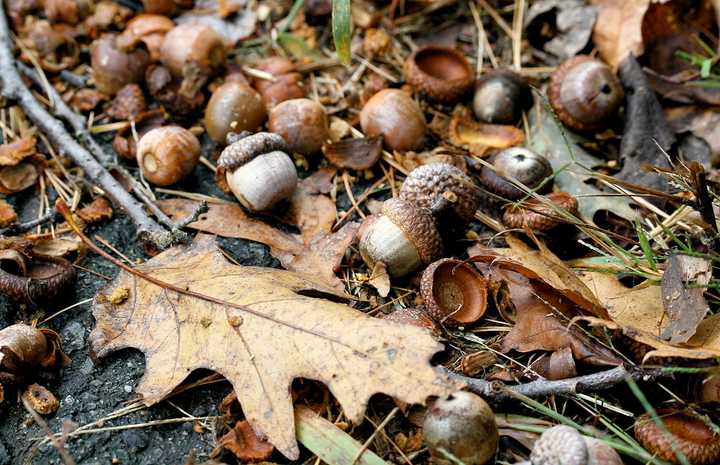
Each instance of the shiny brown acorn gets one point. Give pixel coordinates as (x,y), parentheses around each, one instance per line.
(394,115)
(585,93)
(518,164)
(302,123)
(233,107)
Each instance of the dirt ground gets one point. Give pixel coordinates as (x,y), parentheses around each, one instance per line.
(89,390)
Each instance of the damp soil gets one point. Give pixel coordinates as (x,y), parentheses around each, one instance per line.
(90,389)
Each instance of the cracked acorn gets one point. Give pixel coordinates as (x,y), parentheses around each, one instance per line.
(461,424)
(258,170)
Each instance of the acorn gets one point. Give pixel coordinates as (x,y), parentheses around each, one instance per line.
(442,74)
(393,114)
(564,445)
(258,170)
(537,215)
(160,7)
(455,293)
(302,123)
(150,29)
(166,90)
(112,68)
(461,424)
(287,83)
(585,93)
(688,432)
(194,52)
(34,281)
(522,165)
(501,96)
(441,185)
(404,237)
(233,107)
(167,154)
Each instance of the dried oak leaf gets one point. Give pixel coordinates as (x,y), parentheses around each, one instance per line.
(315,251)
(14,152)
(573,167)
(685,306)
(96,211)
(265,332)
(618,29)
(245,444)
(639,313)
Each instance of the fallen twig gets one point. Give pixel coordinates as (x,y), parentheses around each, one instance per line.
(497,391)
(18,228)
(14,89)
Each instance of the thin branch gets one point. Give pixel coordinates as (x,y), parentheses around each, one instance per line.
(18,228)
(14,89)
(497,391)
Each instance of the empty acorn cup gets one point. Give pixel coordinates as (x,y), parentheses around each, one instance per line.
(454,292)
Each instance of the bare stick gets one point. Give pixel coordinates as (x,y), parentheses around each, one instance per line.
(15,90)
(497,391)
(28,225)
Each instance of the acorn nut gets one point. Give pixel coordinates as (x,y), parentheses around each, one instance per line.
(258,170)
(113,68)
(564,445)
(689,434)
(393,114)
(500,97)
(194,52)
(149,29)
(520,164)
(233,107)
(403,237)
(432,185)
(167,154)
(302,123)
(454,292)
(463,425)
(441,73)
(287,84)
(585,93)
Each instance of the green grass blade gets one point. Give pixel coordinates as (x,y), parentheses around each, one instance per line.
(330,443)
(341,21)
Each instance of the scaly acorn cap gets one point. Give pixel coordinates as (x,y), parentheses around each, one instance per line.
(441,73)
(245,149)
(418,225)
(538,216)
(690,434)
(560,445)
(426,184)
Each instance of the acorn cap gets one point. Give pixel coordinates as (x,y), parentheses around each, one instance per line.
(426,185)
(441,73)
(418,225)
(690,434)
(560,444)
(245,149)
(604,93)
(525,166)
(38,280)
(454,292)
(537,215)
